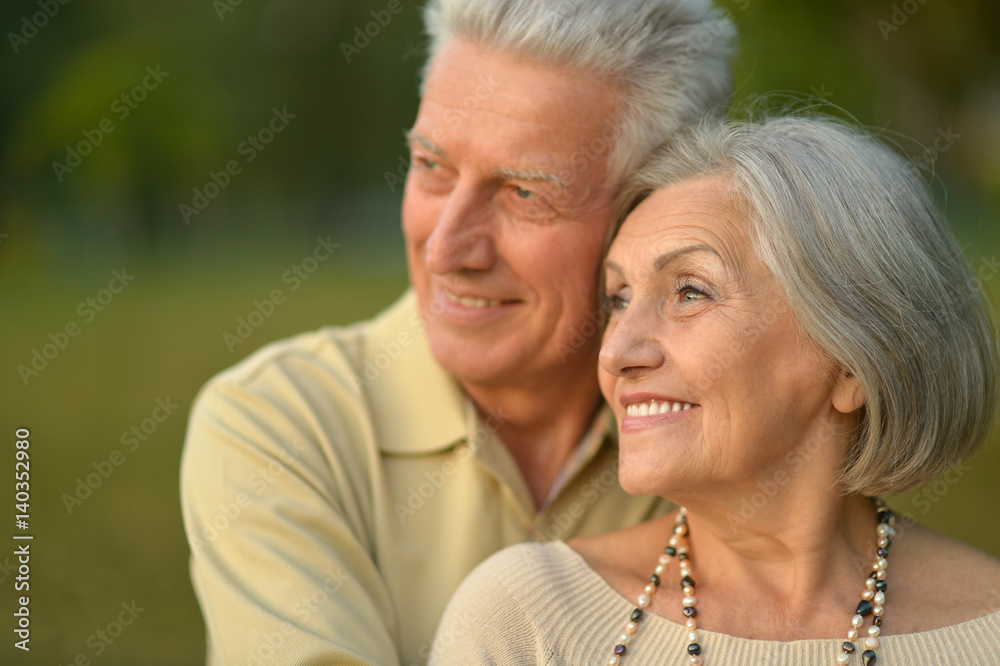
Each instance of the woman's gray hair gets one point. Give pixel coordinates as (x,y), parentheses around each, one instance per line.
(670,57)
(873,275)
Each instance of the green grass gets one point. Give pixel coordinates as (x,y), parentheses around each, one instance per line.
(163,337)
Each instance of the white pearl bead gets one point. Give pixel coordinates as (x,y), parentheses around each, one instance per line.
(631,627)
(659,569)
(674,541)
(692,623)
(879,598)
(881,575)
(868,594)
(614,660)
(883,529)
(878,610)
(643,600)
(852,635)
(692,636)
(870,583)
(649,589)
(843,658)
(690,601)
(857,621)
(871,642)
(883,564)
(883,542)
(625,639)
(695,659)
(874,630)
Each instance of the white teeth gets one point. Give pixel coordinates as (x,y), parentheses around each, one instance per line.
(469,301)
(654,407)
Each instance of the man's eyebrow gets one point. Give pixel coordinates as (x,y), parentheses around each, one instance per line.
(413,135)
(530,174)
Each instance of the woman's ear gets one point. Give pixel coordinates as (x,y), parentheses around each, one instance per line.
(848,394)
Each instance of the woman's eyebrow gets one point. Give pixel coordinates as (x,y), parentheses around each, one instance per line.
(666,259)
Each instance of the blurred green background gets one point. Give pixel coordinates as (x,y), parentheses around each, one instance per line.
(928,72)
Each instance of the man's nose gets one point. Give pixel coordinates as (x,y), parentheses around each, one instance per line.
(464,236)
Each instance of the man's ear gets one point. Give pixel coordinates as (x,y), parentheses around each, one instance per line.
(848,394)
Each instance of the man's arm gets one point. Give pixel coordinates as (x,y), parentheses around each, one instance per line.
(278,517)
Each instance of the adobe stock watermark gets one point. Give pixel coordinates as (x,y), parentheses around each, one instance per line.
(121,107)
(264,309)
(582,334)
(945,139)
(900,14)
(31,25)
(104,637)
(249,149)
(88,309)
(381,18)
(769,487)
(271,643)
(258,482)
(374,366)
(589,493)
(223,7)
(432,481)
(132,439)
(453,118)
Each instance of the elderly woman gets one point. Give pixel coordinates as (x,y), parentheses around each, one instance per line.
(793,333)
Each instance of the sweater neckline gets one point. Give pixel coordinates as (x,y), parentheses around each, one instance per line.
(577,560)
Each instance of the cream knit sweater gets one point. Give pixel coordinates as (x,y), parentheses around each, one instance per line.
(542,604)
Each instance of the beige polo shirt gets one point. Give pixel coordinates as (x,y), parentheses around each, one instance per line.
(338,486)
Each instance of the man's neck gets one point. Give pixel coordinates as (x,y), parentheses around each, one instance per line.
(540,427)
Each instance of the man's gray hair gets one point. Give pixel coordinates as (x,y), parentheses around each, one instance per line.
(669,57)
(873,275)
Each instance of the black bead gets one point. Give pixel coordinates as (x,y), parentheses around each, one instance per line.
(883,552)
(655,580)
(848,647)
(877,621)
(682,557)
(873,575)
(619,650)
(865,607)
(689,611)
(670,550)
(868,657)
(694,648)
(888,540)
(883,515)
(880,585)
(636,614)
(687,580)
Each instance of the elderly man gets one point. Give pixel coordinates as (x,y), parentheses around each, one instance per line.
(339,485)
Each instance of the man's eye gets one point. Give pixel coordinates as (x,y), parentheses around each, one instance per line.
(426,163)
(614,303)
(524,194)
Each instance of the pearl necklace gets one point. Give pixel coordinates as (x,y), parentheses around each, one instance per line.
(872,599)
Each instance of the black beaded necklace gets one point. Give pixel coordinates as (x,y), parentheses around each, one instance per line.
(872,599)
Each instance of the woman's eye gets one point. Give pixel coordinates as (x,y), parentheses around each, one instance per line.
(689,294)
